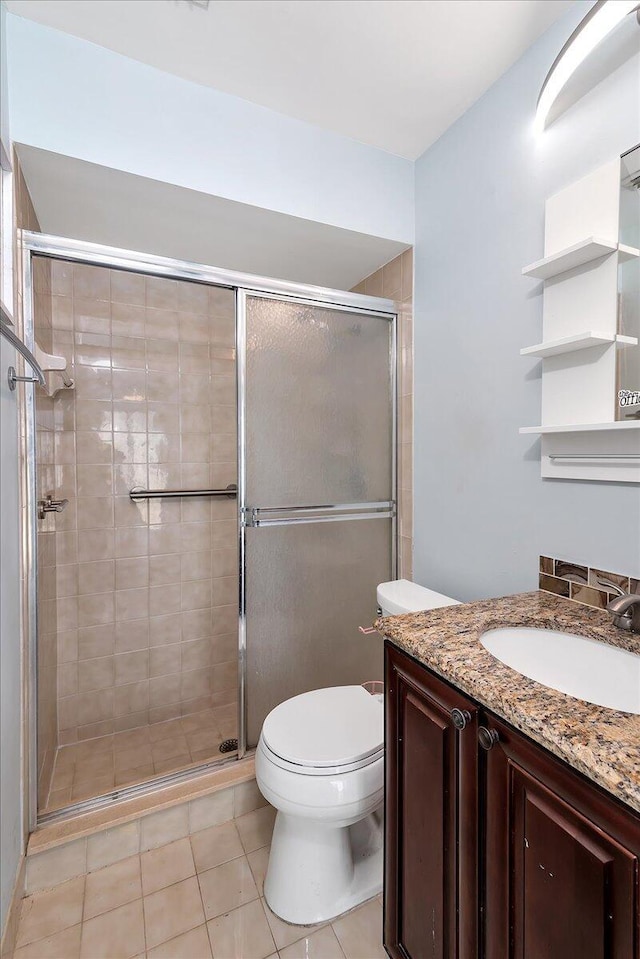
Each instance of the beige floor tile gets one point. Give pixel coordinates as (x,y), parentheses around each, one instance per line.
(64,945)
(59,798)
(171,911)
(133,757)
(258,861)
(211,810)
(168,748)
(118,934)
(62,776)
(247,797)
(190,945)
(131,738)
(203,739)
(102,744)
(112,845)
(164,827)
(216,845)
(172,764)
(47,913)
(129,776)
(112,886)
(90,788)
(166,865)
(56,865)
(360,932)
(255,828)
(65,758)
(94,767)
(319,945)
(227,887)
(198,721)
(284,933)
(159,731)
(205,755)
(241,934)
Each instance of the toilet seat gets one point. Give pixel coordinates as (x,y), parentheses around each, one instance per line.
(325,732)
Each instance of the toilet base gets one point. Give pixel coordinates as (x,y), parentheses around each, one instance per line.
(317,872)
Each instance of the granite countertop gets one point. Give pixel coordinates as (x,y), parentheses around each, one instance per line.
(604,744)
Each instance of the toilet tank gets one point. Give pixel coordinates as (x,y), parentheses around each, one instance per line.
(403,596)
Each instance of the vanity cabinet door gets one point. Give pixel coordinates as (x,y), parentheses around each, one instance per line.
(561,859)
(431,815)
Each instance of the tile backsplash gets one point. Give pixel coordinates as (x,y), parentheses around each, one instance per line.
(584,584)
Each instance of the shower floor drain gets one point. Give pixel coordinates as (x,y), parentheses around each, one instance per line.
(228,746)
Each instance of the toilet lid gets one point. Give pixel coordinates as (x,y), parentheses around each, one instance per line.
(326,727)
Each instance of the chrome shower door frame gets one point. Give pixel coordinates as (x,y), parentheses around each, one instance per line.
(244,284)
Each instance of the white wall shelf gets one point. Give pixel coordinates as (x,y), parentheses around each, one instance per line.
(581,341)
(587,250)
(584,427)
(580,438)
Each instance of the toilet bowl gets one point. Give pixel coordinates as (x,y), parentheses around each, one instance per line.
(320,763)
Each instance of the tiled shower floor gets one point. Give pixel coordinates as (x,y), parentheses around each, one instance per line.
(195,898)
(88,769)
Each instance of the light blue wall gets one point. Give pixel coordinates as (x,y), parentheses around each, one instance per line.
(482,511)
(11,786)
(75,98)
(10,672)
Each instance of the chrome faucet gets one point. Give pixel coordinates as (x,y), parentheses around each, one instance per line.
(625,610)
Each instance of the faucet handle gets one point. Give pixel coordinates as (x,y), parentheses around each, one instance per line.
(625,610)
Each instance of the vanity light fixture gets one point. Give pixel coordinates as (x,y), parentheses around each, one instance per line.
(601,20)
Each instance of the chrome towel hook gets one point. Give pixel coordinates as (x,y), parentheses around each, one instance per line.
(51,505)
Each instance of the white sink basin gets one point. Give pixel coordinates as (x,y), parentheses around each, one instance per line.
(575,665)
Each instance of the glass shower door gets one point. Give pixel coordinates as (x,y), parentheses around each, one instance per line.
(317,494)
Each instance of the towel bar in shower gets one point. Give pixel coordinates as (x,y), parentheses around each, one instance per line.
(138,493)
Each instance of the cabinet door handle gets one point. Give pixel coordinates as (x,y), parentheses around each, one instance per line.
(460,717)
(487,738)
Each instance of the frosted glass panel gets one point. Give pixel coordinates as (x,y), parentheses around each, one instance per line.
(308,589)
(318,405)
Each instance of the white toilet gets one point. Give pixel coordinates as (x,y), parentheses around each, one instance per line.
(320,762)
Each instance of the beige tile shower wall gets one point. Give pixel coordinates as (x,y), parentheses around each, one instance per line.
(147,592)
(45,538)
(395,281)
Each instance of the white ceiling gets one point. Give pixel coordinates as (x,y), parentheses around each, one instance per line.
(85,201)
(391,73)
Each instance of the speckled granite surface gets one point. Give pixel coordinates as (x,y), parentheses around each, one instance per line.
(602,743)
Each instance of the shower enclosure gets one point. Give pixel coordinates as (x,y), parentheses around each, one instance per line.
(209,510)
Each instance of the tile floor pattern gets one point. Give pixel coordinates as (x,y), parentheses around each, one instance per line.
(196,898)
(90,768)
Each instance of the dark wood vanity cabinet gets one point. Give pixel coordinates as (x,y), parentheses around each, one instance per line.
(431,809)
(494,848)
(560,857)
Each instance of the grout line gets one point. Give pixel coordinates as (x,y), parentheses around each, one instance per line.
(144,918)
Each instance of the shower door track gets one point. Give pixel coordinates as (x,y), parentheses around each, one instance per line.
(80,251)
